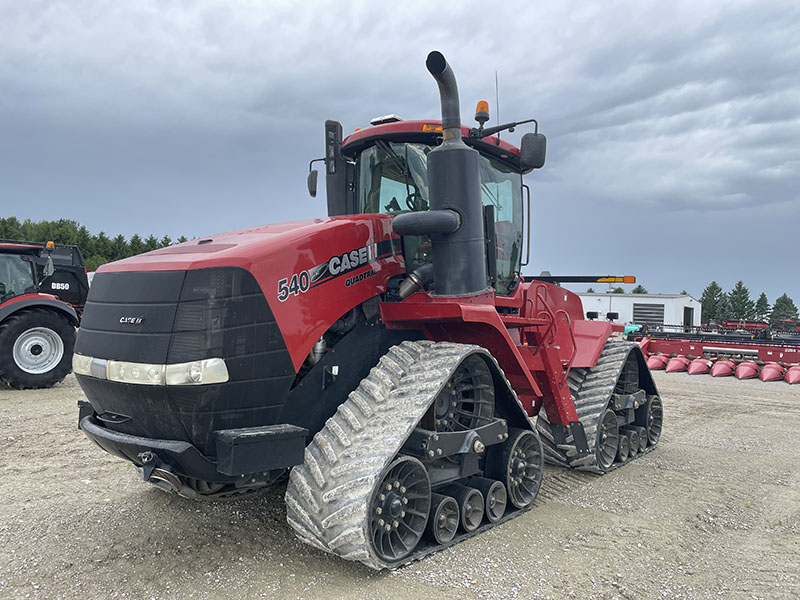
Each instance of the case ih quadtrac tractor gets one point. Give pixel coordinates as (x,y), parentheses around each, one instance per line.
(389,356)
(43,288)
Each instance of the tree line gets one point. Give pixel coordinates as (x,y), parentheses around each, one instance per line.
(737,305)
(96,249)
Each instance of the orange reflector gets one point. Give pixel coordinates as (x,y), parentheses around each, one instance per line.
(427,127)
(629,279)
(617,279)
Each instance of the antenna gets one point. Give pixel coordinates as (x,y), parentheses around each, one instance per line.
(497,102)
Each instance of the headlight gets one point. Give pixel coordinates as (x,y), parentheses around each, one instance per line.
(199,372)
(141,373)
(82,365)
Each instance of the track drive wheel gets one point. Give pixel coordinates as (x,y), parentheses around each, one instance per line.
(608,441)
(35,349)
(399,509)
(518,464)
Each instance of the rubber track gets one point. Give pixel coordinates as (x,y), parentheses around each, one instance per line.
(591,390)
(328,495)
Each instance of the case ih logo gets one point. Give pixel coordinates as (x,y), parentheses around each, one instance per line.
(132,320)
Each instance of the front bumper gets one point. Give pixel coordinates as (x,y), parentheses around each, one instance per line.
(244,456)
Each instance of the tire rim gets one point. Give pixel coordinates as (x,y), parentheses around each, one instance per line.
(607,440)
(399,509)
(38,350)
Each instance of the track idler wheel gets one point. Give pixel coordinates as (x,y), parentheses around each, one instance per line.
(608,440)
(470,501)
(494,495)
(399,509)
(444,519)
(518,464)
(623,449)
(651,417)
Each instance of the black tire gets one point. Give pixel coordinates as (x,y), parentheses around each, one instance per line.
(28,335)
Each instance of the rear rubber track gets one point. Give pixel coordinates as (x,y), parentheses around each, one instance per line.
(591,390)
(328,495)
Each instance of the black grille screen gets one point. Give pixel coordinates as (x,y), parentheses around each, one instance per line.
(215,313)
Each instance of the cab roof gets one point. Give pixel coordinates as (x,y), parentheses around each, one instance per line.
(430,132)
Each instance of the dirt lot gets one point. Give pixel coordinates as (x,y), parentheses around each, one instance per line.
(714,511)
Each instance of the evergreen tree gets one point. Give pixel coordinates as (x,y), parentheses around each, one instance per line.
(784,309)
(136,245)
(685,293)
(763,308)
(102,246)
(590,290)
(183,239)
(617,290)
(165,241)
(710,299)
(742,306)
(151,243)
(639,289)
(724,310)
(119,248)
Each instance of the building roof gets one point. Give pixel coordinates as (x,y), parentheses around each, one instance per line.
(634,296)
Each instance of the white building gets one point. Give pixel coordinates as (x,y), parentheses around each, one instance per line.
(654,309)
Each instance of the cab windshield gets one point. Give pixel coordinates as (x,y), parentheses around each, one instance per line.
(16,276)
(392,178)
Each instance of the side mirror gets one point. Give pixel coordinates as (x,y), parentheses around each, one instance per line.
(49,268)
(312,182)
(532,151)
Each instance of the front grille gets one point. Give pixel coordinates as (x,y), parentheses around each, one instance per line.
(187,316)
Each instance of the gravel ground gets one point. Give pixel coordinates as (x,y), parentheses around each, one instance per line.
(714,511)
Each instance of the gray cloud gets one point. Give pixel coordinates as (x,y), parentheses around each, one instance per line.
(673,128)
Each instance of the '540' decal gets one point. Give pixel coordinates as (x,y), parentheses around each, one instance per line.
(299,284)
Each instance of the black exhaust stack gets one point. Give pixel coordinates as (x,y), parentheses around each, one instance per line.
(455,220)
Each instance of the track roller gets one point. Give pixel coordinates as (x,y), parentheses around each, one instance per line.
(623,448)
(494,495)
(470,501)
(642,432)
(633,441)
(444,519)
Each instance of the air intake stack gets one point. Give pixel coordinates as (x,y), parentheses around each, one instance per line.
(455,218)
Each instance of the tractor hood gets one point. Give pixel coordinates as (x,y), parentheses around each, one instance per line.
(310,272)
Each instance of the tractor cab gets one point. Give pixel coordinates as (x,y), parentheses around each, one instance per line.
(17,270)
(383,170)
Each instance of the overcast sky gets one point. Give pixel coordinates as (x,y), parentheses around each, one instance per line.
(673,127)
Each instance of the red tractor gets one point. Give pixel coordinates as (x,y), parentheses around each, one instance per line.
(37,328)
(389,356)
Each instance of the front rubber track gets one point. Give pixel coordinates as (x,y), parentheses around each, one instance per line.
(328,495)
